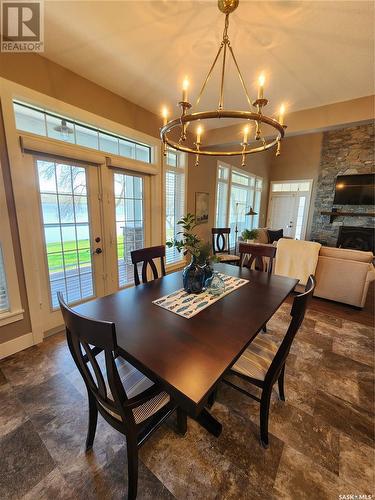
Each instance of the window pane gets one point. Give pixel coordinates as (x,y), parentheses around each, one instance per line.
(142,153)
(66,230)
(240,179)
(29,120)
(221,204)
(223,172)
(127,148)
(4,301)
(175,208)
(59,128)
(277,187)
(172,158)
(108,143)
(87,137)
(129,223)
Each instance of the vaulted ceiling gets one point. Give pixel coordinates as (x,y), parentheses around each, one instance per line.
(312,52)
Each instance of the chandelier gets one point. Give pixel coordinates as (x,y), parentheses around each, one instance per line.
(173,133)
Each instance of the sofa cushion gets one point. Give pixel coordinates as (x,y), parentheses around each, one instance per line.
(346,254)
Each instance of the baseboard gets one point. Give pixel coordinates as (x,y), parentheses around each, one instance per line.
(16,345)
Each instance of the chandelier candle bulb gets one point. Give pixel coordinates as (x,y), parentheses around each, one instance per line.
(281,114)
(245,134)
(261,81)
(165,116)
(185,86)
(199,134)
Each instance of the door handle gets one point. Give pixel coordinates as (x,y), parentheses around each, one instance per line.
(98,250)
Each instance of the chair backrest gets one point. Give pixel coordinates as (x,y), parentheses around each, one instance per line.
(297,313)
(257,252)
(147,256)
(220,239)
(86,339)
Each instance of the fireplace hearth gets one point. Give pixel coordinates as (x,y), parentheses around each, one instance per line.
(358,238)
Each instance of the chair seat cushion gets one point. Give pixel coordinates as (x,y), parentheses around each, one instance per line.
(227,257)
(134,383)
(257,358)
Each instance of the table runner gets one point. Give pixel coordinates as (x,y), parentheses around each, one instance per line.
(188,305)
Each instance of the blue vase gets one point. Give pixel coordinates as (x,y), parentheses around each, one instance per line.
(194,277)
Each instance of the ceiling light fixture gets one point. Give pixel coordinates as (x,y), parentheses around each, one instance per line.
(256,115)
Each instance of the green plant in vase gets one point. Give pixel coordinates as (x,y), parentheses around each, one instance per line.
(194,274)
(249,234)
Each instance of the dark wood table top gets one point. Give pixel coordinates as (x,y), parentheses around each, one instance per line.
(189,356)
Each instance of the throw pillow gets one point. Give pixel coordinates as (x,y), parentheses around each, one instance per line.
(274,235)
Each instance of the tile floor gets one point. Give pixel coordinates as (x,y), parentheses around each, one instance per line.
(321,443)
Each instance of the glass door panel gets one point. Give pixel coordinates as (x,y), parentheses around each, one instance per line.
(70,222)
(130,224)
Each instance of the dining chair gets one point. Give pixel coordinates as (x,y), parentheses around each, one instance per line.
(124,396)
(220,245)
(147,256)
(261,255)
(263,362)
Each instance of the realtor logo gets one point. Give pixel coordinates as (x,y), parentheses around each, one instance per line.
(22,28)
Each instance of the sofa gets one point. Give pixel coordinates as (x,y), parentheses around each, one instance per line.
(342,275)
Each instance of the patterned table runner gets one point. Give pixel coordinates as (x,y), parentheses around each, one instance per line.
(188,305)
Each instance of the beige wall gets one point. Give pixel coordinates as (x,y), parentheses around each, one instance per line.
(203,178)
(299,159)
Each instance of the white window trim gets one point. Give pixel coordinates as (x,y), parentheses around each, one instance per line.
(15,312)
(230,183)
(183,160)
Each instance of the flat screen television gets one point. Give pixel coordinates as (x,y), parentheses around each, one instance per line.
(355,190)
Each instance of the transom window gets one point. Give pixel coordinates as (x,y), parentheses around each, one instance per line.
(41,122)
(290,187)
(236,192)
(174,200)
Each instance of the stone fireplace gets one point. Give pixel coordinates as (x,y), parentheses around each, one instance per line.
(358,238)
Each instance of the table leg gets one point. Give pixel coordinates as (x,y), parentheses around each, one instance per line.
(206,420)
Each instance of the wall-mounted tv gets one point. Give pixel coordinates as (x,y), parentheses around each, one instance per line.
(355,190)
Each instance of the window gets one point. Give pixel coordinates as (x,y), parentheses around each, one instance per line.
(4,300)
(65,211)
(38,121)
(236,192)
(129,222)
(174,201)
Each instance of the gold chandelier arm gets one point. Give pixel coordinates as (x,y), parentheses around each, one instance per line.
(221,100)
(241,77)
(209,75)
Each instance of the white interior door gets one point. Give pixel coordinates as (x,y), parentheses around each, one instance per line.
(70,229)
(283,213)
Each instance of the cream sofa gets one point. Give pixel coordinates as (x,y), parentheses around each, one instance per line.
(342,275)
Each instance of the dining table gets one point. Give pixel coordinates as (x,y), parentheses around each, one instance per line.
(188,357)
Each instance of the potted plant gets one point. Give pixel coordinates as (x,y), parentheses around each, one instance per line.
(199,269)
(249,235)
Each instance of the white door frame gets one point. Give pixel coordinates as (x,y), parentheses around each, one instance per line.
(289,193)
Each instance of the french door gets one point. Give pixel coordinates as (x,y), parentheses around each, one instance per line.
(84,238)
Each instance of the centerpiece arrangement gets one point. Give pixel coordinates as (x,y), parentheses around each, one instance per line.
(198,273)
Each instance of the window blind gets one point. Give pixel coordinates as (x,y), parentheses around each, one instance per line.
(174,205)
(4,300)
